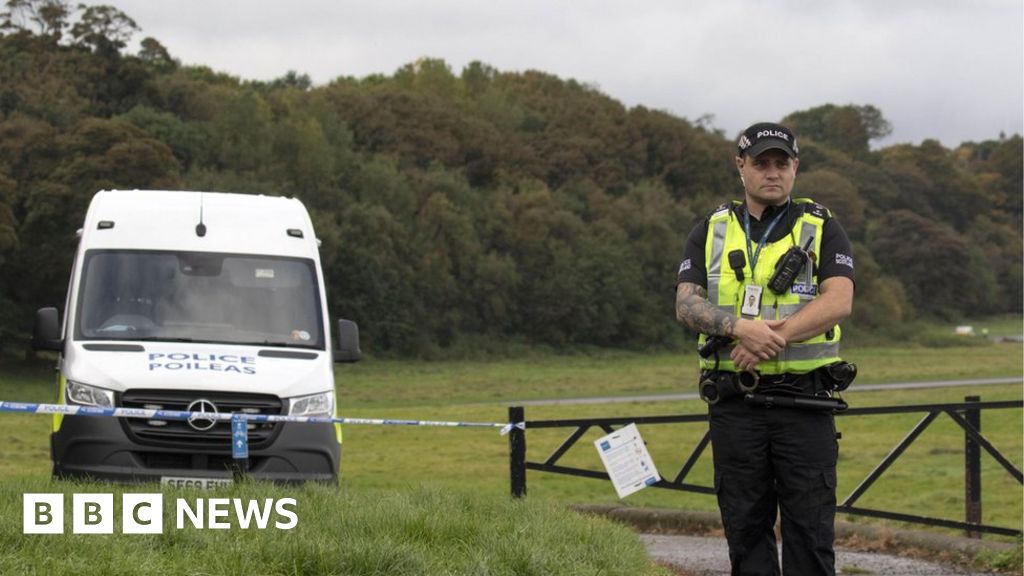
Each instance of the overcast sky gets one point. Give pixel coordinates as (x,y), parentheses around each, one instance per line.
(946,69)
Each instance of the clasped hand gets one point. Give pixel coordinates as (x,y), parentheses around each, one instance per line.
(758,340)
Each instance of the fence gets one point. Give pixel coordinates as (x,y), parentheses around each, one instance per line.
(967,415)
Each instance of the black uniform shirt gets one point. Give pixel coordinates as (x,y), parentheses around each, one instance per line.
(836,258)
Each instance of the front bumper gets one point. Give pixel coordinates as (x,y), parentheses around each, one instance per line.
(101,449)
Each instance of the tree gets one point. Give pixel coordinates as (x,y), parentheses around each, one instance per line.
(428,75)
(379,181)
(40,80)
(881,301)
(104,28)
(477,78)
(371,280)
(999,166)
(152,52)
(544,238)
(99,154)
(836,193)
(50,17)
(10,312)
(690,162)
(997,245)
(444,248)
(950,190)
(293,79)
(242,131)
(302,156)
(656,226)
(482,206)
(941,273)
(8,224)
(912,186)
(189,141)
(849,128)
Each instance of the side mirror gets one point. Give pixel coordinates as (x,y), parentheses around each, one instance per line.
(46,332)
(348,342)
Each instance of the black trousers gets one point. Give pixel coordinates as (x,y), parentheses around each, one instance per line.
(769,460)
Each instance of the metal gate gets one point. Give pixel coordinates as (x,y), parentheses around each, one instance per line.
(967,415)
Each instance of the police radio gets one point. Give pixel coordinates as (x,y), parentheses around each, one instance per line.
(737,261)
(789,267)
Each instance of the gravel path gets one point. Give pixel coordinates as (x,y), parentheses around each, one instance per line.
(704,556)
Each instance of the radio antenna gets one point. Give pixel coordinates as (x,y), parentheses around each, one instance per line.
(200,228)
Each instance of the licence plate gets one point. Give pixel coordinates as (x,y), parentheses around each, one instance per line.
(190,482)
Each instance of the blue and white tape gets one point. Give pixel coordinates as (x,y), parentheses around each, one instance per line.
(71,410)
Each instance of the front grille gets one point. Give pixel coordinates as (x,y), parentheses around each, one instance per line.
(175,433)
(180,461)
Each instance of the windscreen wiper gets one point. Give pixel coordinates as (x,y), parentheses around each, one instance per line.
(277,344)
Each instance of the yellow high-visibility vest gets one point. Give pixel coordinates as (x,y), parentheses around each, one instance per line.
(725,290)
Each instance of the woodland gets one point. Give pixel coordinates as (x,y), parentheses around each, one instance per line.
(477,208)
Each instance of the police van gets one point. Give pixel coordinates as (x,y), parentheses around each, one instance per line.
(201,302)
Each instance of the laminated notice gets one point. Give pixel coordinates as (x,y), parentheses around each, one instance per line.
(625,456)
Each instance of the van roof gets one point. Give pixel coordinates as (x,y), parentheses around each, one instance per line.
(167,220)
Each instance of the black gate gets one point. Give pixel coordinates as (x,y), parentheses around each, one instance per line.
(967,415)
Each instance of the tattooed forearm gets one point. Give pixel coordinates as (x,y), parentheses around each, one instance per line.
(694,310)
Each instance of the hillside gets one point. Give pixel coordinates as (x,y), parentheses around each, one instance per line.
(473,208)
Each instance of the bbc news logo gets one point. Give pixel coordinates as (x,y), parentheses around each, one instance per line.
(144,513)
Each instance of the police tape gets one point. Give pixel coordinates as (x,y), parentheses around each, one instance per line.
(150,414)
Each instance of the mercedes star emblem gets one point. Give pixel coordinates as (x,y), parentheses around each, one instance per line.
(202,423)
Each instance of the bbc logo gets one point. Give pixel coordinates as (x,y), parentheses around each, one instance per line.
(92,513)
(144,513)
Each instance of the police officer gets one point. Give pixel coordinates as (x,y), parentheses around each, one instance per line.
(770,458)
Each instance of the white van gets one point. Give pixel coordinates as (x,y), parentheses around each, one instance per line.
(202,302)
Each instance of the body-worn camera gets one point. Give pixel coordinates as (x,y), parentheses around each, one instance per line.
(789,267)
(718,386)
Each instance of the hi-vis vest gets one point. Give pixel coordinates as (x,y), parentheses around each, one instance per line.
(725,234)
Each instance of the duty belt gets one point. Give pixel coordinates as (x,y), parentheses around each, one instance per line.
(789,384)
(812,390)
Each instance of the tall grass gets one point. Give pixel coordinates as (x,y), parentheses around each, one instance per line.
(927,480)
(419,532)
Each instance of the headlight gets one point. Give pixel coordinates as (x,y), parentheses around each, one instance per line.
(85,395)
(315,405)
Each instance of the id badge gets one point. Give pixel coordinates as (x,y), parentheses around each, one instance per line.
(751,300)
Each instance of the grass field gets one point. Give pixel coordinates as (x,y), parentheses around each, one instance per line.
(927,480)
(420,532)
(481,391)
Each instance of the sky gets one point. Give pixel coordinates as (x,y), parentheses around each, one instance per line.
(952,70)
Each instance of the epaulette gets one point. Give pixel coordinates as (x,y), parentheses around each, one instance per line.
(719,208)
(813,208)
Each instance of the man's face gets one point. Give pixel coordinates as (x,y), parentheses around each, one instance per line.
(768,178)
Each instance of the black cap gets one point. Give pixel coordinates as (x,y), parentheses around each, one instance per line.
(765,136)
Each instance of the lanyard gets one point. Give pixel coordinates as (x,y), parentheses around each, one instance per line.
(764,239)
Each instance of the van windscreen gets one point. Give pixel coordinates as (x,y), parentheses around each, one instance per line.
(199,297)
